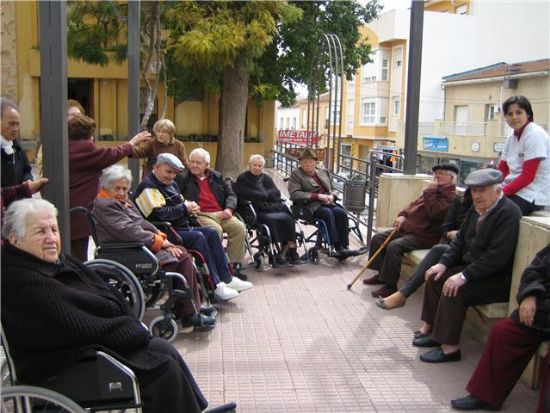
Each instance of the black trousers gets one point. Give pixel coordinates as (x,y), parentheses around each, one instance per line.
(388,262)
(336,219)
(171,387)
(447,314)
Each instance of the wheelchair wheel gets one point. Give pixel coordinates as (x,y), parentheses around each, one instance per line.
(259,261)
(313,255)
(5,374)
(36,399)
(161,327)
(121,278)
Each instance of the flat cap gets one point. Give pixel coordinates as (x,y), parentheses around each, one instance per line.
(445,167)
(484,177)
(308,153)
(170,160)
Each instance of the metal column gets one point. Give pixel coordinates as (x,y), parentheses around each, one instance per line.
(413,86)
(53,111)
(133,81)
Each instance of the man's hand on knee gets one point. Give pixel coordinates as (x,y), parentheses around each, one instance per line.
(226,214)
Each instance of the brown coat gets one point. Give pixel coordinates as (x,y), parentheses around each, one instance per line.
(425,215)
(119,222)
(301,186)
(151,150)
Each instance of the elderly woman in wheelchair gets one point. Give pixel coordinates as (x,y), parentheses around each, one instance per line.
(260,200)
(310,188)
(55,311)
(118,220)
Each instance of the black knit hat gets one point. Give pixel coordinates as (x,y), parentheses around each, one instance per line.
(445,167)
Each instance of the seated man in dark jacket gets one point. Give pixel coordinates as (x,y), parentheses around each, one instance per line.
(513,341)
(158,198)
(217,202)
(476,269)
(419,227)
(55,311)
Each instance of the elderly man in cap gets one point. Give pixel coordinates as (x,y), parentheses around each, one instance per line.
(419,226)
(476,269)
(159,199)
(216,204)
(313,186)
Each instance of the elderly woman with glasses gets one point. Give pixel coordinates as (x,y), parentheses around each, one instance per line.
(256,187)
(55,311)
(118,220)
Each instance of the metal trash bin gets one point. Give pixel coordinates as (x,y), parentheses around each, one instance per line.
(354,195)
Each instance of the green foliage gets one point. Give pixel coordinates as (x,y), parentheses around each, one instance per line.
(95,30)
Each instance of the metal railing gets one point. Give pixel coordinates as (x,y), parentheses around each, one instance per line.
(367,169)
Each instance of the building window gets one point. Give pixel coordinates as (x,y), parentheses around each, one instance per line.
(384,73)
(396,109)
(294,123)
(280,123)
(345,163)
(368,111)
(398,57)
(492,112)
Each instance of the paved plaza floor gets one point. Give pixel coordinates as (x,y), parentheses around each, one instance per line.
(299,341)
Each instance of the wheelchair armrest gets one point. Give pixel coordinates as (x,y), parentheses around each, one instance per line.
(121,246)
(108,383)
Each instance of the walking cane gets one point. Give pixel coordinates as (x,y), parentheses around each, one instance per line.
(371,259)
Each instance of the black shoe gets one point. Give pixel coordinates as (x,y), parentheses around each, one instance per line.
(199,322)
(278,261)
(293,258)
(471,403)
(208,310)
(437,355)
(419,334)
(425,341)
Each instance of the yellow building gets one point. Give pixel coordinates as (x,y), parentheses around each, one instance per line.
(103,90)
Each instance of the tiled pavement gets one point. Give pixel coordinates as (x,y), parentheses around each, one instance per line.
(299,341)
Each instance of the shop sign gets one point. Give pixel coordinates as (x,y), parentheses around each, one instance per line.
(298,137)
(436,143)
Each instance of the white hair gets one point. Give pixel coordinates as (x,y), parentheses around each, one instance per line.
(114,173)
(202,153)
(256,157)
(19,212)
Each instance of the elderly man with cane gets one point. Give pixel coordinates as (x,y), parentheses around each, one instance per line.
(418,226)
(476,269)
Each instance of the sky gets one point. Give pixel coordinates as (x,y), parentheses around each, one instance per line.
(394,4)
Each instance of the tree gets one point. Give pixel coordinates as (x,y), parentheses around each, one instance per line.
(97,34)
(222,41)
(260,49)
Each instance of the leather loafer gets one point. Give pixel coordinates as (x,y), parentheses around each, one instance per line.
(471,403)
(425,341)
(437,355)
(374,280)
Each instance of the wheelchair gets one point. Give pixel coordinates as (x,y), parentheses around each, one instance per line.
(97,383)
(153,282)
(320,237)
(259,237)
(109,385)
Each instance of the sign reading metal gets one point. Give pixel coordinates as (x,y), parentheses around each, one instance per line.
(299,137)
(436,143)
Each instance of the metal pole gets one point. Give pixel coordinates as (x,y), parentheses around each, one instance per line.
(134,27)
(339,49)
(53,111)
(413,86)
(331,68)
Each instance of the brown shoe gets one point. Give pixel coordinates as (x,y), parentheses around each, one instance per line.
(374,280)
(384,291)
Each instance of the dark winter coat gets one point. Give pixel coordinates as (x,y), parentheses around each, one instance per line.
(219,186)
(486,250)
(15,167)
(54,314)
(260,191)
(535,281)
